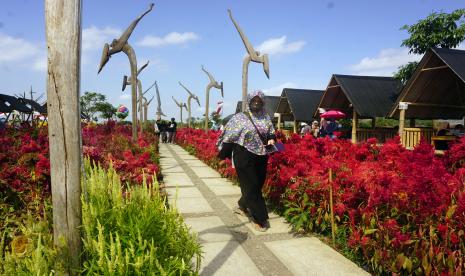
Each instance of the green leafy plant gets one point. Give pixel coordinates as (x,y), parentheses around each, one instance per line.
(131,231)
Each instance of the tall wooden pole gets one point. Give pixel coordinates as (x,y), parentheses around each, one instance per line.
(207,96)
(129,51)
(401,125)
(141,111)
(245,77)
(63,32)
(279,121)
(295,126)
(354,126)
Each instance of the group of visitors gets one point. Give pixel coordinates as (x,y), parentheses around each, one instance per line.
(166,130)
(325,128)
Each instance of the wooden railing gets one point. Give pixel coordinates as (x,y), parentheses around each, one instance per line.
(412,136)
(381,134)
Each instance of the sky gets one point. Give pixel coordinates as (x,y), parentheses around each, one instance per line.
(307,42)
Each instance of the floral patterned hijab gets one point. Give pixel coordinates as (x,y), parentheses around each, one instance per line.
(241,131)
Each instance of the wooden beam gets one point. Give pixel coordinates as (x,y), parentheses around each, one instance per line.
(354,127)
(333,86)
(63,34)
(279,121)
(401,125)
(437,105)
(434,68)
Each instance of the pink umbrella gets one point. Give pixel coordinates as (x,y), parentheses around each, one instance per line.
(335,114)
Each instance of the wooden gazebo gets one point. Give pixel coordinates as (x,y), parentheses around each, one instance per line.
(435,91)
(362,97)
(297,105)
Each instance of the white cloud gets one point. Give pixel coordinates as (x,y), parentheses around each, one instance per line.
(277,90)
(173,38)
(94,38)
(15,49)
(40,64)
(385,64)
(279,46)
(125,97)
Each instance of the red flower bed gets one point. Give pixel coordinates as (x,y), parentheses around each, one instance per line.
(396,210)
(24,156)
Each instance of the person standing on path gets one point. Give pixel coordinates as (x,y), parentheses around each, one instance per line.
(245,139)
(172,130)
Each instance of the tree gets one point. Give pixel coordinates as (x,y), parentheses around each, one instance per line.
(107,111)
(405,72)
(439,30)
(89,102)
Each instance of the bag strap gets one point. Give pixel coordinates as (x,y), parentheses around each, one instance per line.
(256,128)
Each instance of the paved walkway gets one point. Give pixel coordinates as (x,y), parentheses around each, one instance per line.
(231,246)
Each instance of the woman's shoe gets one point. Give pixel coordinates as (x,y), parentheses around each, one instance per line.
(261,227)
(238,210)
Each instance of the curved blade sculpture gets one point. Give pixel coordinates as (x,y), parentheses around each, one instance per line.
(127,81)
(159,111)
(215,84)
(180,105)
(252,55)
(191,96)
(146,106)
(122,44)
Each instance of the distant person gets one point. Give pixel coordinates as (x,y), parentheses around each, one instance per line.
(172,130)
(306,129)
(330,128)
(323,126)
(2,123)
(163,131)
(315,129)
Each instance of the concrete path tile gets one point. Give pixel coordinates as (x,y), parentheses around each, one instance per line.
(209,229)
(190,205)
(222,186)
(176,179)
(195,163)
(310,256)
(183,192)
(206,172)
(227,258)
(172,169)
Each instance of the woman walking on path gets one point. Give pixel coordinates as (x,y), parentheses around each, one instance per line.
(245,139)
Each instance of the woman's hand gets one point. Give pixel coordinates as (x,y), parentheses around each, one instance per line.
(271,142)
(222,163)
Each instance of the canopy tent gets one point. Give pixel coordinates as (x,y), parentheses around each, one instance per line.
(437,88)
(298,105)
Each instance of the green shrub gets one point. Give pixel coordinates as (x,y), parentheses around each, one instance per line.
(131,231)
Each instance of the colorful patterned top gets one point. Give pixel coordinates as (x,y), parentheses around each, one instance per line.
(240,130)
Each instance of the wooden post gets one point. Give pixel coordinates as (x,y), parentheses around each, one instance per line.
(141,111)
(373,123)
(401,125)
(245,76)
(354,126)
(127,49)
(207,95)
(333,225)
(279,121)
(63,32)
(295,126)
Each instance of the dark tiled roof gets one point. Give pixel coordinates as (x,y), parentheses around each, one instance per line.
(302,102)
(14,103)
(370,96)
